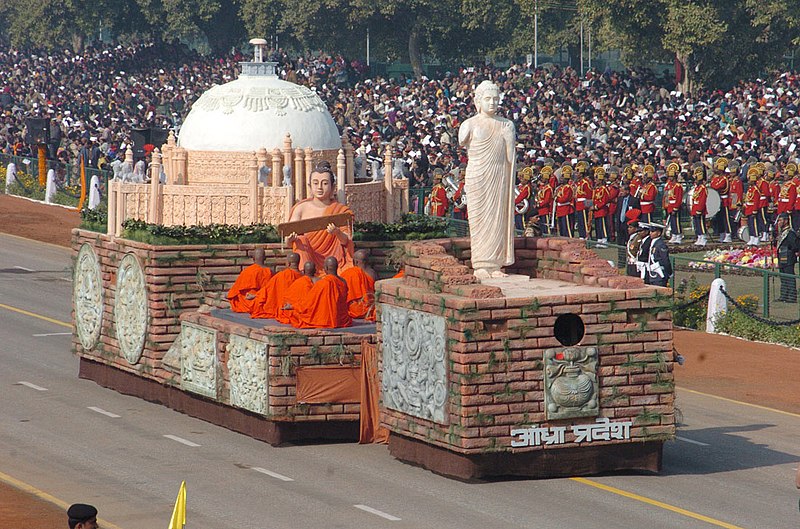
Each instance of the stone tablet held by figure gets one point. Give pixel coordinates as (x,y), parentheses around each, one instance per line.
(489,182)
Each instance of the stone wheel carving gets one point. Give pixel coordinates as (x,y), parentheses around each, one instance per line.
(88,297)
(130,308)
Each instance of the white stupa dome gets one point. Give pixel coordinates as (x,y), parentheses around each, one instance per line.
(256,111)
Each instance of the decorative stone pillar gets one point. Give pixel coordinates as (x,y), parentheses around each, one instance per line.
(277,168)
(113,189)
(349,159)
(341,175)
(387,180)
(168,158)
(299,176)
(120,211)
(154,215)
(254,198)
(309,163)
(129,155)
(287,151)
(181,166)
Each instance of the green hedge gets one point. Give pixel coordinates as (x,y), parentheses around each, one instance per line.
(737,323)
(138,230)
(411,227)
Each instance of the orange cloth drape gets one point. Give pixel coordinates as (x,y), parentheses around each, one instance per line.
(370,429)
(250,280)
(42,166)
(317,245)
(83,185)
(328,384)
(401,273)
(266,302)
(360,293)
(325,306)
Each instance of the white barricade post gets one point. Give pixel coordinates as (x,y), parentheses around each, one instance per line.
(717,304)
(50,189)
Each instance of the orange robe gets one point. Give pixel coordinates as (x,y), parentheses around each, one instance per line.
(325,306)
(266,303)
(249,281)
(401,273)
(294,296)
(360,293)
(317,245)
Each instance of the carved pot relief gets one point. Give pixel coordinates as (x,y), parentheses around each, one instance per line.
(130,308)
(570,380)
(247,368)
(87,293)
(414,372)
(199,359)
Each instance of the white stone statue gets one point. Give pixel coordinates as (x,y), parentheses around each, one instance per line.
(489,182)
(11,175)
(377,174)
(361,164)
(94,193)
(116,166)
(50,189)
(287,176)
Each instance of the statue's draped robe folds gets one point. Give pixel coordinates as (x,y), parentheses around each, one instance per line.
(266,303)
(490,179)
(315,246)
(249,281)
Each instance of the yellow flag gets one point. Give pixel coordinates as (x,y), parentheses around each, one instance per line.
(178,520)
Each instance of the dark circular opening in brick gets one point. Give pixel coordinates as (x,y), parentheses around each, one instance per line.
(569,329)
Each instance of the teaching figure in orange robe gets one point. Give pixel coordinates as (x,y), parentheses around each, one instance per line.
(250,280)
(266,302)
(331,242)
(325,306)
(296,294)
(360,281)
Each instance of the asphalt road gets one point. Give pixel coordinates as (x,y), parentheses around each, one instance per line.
(732,466)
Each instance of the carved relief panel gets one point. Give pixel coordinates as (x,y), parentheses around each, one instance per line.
(570,383)
(414,371)
(199,359)
(247,367)
(130,308)
(88,297)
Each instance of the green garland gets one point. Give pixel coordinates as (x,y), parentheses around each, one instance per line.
(411,227)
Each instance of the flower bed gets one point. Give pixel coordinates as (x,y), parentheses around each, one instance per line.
(750,257)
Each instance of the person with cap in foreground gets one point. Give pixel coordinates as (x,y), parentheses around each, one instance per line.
(635,233)
(659,269)
(82,516)
(643,253)
(787,245)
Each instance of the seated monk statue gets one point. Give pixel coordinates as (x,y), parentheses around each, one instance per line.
(250,280)
(296,293)
(325,306)
(331,242)
(266,302)
(360,281)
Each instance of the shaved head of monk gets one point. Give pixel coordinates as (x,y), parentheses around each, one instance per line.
(309,269)
(259,256)
(293,260)
(331,265)
(360,258)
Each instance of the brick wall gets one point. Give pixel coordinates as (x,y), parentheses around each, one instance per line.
(495,346)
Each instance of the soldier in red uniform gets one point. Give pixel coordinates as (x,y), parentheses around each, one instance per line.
(634,181)
(698,204)
(672,202)
(552,179)
(544,201)
(647,194)
(460,200)
(763,191)
(613,190)
(752,206)
(522,202)
(583,197)
(563,207)
(721,184)
(601,200)
(438,198)
(787,196)
(735,193)
(774,190)
(794,172)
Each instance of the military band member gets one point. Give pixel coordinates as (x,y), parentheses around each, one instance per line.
(644,251)
(659,268)
(544,201)
(634,181)
(613,191)
(552,178)
(763,193)
(672,202)
(720,183)
(460,211)
(787,195)
(437,200)
(647,194)
(525,193)
(563,206)
(698,204)
(601,200)
(736,194)
(787,245)
(752,206)
(774,190)
(583,198)
(794,174)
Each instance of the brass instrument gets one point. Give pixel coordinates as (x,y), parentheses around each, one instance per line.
(523,207)
(451,188)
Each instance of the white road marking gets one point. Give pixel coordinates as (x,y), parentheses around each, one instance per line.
(273,474)
(376,512)
(692,441)
(182,440)
(23,268)
(32,386)
(104,412)
(51,334)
